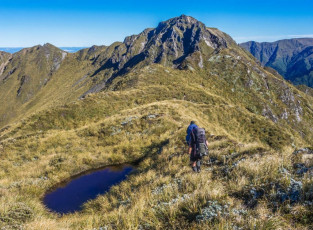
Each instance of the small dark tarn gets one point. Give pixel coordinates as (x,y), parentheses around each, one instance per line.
(68,197)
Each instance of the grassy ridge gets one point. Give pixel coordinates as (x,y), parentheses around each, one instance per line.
(145,114)
(254,120)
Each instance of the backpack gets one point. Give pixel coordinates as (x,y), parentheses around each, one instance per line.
(189,129)
(200,142)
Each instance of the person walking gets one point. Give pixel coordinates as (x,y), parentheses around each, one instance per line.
(189,129)
(198,147)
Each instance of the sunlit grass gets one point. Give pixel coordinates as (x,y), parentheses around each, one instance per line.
(147,121)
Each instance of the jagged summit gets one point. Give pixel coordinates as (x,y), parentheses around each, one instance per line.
(178,37)
(179,21)
(181,42)
(183,35)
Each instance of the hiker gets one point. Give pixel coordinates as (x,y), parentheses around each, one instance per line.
(189,129)
(198,147)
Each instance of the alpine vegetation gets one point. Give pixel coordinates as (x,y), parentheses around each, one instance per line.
(131,102)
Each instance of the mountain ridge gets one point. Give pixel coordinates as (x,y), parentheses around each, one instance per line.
(259,128)
(171,43)
(179,42)
(292,58)
(70,49)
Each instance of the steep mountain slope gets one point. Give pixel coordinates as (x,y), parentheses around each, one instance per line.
(148,89)
(292,58)
(146,116)
(41,77)
(305,89)
(4,57)
(25,74)
(174,43)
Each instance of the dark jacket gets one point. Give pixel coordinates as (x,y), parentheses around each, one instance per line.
(193,144)
(190,127)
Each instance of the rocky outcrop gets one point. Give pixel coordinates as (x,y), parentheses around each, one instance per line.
(303,161)
(180,42)
(24,79)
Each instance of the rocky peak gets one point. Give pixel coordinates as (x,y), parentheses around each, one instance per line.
(190,32)
(170,43)
(180,21)
(181,42)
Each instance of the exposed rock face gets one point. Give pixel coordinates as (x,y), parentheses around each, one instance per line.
(176,39)
(292,193)
(24,79)
(303,161)
(4,59)
(292,58)
(179,42)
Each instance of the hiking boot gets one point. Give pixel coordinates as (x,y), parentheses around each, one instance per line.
(195,169)
(198,169)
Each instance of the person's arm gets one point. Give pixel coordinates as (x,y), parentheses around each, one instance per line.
(189,150)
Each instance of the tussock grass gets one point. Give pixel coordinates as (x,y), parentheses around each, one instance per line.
(144,116)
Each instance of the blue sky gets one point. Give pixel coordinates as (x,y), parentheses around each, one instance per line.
(85,23)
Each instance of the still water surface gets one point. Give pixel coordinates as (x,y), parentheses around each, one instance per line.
(70,196)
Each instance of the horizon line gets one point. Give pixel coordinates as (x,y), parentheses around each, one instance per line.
(273,38)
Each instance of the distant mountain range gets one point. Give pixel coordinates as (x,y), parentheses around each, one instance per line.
(16,49)
(292,58)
